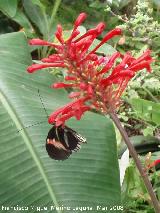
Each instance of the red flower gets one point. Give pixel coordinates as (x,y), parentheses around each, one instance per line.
(98,81)
(153,164)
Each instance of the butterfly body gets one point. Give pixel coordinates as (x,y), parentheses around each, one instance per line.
(62,141)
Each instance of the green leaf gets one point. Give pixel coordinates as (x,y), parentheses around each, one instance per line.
(28,177)
(38,2)
(149,130)
(105,48)
(142,144)
(146,110)
(22,20)
(37,15)
(124,3)
(9,7)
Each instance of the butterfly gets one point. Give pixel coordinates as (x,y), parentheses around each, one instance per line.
(61,141)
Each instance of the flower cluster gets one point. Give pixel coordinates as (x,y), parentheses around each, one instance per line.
(97,81)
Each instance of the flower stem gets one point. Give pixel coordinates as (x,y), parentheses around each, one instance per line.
(134,155)
(54,11)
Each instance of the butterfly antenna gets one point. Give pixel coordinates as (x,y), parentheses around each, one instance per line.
(40,121)
(31,125)
(40,97)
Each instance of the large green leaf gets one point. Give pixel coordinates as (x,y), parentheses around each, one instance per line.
(37,15)
(28,177)
(22,20)
(8,7)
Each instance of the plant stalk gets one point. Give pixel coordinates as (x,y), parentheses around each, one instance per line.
(134,155)
(54,11)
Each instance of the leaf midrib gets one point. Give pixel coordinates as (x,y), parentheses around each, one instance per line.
(8,106)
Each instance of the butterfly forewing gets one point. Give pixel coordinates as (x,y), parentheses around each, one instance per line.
(56,151)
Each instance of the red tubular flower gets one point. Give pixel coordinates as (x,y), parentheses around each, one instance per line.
(75,108)
(154,163)
(98,82)
(79,20)
(58,34)
(35,67)
(108,36)
(62,85)
(38,42)
(74,94)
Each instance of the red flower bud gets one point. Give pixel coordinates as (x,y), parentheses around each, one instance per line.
(83,86)
(142,65)
(156,162)
(35,67)
(61,85)
(41,42)
(74,94)
(80,19)
(58,34)
(109,35)
(70,78)
(100,27)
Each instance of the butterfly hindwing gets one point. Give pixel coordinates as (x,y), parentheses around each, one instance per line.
(74,139)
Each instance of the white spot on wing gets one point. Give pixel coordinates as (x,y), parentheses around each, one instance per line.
(56,144)
(79,137)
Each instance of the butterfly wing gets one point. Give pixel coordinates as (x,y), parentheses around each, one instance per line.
(55,144)
(61,141)
(56,150)
(74,139)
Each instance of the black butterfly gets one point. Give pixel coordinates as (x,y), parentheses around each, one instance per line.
(62,141)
